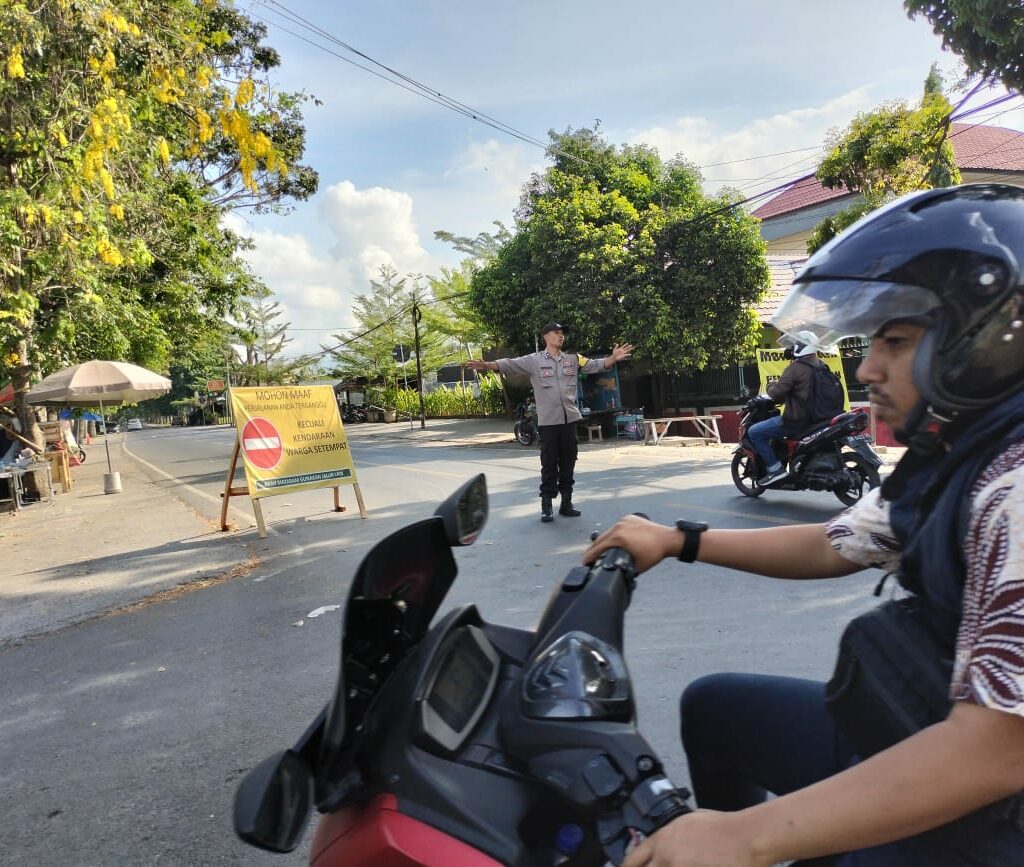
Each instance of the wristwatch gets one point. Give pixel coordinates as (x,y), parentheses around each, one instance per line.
(691,531)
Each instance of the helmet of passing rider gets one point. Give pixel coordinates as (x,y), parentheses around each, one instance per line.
(949,259)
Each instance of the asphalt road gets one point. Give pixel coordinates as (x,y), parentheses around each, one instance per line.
(123,738)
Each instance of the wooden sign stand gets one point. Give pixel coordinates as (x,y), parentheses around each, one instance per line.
(231,490)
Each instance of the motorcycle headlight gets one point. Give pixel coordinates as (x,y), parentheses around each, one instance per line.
(578,676)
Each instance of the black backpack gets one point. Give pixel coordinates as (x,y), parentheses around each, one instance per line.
(826,397)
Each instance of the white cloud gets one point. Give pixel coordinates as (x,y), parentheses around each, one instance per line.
(707,143)
(480,186)
(313,291)
(499,168)
(316,289)
(373,227)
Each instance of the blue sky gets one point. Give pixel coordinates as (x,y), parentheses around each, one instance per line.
(716,82)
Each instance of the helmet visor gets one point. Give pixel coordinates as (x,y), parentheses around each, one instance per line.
(835,309)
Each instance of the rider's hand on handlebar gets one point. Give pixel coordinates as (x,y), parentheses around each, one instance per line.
(648,542)
(701,838)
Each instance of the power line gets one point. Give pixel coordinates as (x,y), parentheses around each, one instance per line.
(330,350)
(761,157)
(406,82)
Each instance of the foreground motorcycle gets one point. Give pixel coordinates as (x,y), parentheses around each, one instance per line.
(835,455)
(526,422)
(467,743)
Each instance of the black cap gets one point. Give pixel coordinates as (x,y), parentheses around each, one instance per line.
(551,326)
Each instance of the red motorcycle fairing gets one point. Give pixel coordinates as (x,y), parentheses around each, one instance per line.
(378,834)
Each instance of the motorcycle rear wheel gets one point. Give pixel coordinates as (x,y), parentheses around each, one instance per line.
(745,475)
(862,473)
(525,433)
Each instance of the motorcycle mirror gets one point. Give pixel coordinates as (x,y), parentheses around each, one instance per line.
(465,512)
(272,803)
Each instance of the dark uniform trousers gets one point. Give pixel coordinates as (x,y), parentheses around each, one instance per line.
(558,450)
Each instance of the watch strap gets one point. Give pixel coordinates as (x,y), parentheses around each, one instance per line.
(691,539)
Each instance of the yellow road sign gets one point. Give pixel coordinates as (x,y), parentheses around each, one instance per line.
(771,363)
(291,438)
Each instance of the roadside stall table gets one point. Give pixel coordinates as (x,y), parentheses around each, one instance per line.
(14,473)
(657,428)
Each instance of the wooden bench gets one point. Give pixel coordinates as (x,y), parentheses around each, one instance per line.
(592,431)
(655,429)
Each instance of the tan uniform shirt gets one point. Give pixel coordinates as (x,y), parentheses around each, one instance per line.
(554,382)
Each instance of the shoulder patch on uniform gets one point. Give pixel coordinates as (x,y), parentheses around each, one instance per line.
(582,359)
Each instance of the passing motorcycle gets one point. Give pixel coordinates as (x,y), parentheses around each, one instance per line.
(467,743)
(835,455)
(526,422)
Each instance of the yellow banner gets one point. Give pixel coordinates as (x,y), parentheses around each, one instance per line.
(771,363)
(291,438)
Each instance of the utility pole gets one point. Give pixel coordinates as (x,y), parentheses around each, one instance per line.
(402,348)
(416,316)
(227,392)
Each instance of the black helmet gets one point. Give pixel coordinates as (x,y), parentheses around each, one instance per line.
(949,259)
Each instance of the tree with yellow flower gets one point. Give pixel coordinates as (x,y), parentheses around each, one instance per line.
(126,128)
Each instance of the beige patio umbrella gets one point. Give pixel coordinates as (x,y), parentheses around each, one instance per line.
(99,383)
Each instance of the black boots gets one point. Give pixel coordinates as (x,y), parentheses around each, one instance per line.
(566,508)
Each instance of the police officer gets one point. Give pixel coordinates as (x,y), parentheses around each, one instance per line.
(554,374)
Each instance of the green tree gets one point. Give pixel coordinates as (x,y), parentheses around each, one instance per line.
(206,354)
(987,34)
(623,247)
(264,337)
(483,247)
(450,311)
(884,153)
(125,127)
(453,313)
(384,321)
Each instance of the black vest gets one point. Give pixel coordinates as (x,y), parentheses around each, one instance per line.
(930,510)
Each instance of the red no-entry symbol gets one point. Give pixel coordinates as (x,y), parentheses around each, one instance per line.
(261,443)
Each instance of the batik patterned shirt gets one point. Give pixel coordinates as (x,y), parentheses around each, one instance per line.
(989,665)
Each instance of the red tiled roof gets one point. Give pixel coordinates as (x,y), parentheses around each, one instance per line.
(977,148)
(783,271)
(805,192)
(987,148)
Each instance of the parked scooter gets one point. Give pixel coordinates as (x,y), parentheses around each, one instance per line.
(526,422)
(468,744)
(351,414)
(835,455)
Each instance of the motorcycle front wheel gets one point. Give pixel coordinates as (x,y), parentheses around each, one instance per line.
(745,475)
(525,433)
(863,477)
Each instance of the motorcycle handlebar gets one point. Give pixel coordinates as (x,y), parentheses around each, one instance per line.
(653,803)
(617,558)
